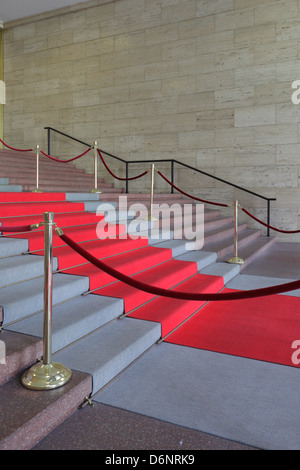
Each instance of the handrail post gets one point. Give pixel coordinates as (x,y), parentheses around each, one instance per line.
(48,140)
(37,190)
(268,217)
(95,190)
(46,375)
(172,176)
(236,259)
(127,175)
(152,170)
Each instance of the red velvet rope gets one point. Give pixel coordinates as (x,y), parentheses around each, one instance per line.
(20,228)
(269,226)
(188,195)
(117,177)
(66,161)
(178,294)
(12,148)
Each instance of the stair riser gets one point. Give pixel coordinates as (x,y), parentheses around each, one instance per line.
(229,250)
(45,415)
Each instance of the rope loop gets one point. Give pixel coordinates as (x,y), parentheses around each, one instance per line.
(117,177)
(189,195)
(279,289)
(267,225)
(12,148)
(66,161)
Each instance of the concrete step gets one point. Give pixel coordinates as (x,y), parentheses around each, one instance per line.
(16,269)
(255,249)
(108,351)
(73,319)
(62,187)
(27,298)
(4,181)
(12,247)
(11,188)
(225,247)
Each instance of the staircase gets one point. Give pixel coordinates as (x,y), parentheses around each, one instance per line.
(100,325)
(20,170)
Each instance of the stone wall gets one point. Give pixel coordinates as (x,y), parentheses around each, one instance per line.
(206,82)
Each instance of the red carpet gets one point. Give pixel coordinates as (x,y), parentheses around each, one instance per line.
(78,234)
(62,220)
(99,248)
(127,263)
(164,275)
(31,197)
(262,328)
(172,312)
(38,208)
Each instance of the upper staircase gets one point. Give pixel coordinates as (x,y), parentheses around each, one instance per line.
(100,325)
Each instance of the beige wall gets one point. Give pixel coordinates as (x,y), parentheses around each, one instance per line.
(207,82)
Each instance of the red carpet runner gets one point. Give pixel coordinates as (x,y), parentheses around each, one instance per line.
(262,328)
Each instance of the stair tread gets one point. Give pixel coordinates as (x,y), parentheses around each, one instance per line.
(32,266)
(106,352)
(73,319)
(27,297)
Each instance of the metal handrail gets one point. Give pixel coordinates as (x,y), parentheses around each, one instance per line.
(173,162)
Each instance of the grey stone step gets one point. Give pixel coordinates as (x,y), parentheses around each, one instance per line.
(226,270)
(108,351)
(178,247)
(27,298)
(20,268)
(202,258)
(11,247)
(82,197)
(73,319)
(14,188)
(4,181)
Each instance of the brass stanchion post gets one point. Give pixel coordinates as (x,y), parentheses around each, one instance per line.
(37,190)
(235,259)
(47,375)
(95,190)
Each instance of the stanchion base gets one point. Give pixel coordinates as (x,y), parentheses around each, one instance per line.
(235,260)
(37,190)
(46,376)
(95,190)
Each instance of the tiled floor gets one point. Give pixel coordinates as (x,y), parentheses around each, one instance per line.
(102,427)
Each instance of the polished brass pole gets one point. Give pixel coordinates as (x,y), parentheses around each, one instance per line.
(235,259)
(46,375)
(95,190)
(48,285)
(37,190)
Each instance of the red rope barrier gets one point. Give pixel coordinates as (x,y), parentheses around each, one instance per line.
(269,226)
(12,148)
(66,161)
(117,177)
(177,294)
(188,195)
(20,228)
